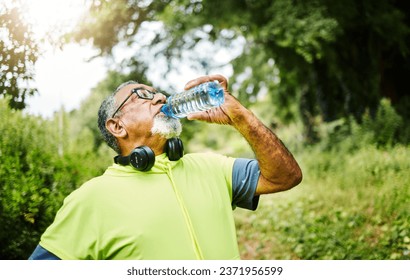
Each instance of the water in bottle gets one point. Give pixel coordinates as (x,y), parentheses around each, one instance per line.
(200,98)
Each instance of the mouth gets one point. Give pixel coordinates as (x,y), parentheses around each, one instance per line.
(161,114)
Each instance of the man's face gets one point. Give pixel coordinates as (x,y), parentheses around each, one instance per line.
(143,117)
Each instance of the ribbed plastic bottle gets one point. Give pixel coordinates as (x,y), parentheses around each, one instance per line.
(200,98)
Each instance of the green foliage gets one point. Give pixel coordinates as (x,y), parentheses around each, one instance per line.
(329,60)
(18,54)
(304,28)
(383,130)
(386,126)
(321,58)
(349,206)
(36,174)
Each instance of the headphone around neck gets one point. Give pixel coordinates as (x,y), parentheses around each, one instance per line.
(142,158)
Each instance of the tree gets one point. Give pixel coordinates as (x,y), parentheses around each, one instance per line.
(18,54)
(332,59)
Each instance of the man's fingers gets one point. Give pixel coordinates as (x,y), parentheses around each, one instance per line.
(209,78)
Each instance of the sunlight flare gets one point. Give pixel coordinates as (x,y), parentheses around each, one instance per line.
(49,17)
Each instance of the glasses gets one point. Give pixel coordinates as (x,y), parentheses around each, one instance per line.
(141,93)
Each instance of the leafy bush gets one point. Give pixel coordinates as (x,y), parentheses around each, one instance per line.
(35,176)
(383,130)
(386,125)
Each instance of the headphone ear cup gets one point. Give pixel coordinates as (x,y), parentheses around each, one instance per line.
(142,158)
(174,149)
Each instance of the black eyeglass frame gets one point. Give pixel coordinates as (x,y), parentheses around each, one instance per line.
(139,94)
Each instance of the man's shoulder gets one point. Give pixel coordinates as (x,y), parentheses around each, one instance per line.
(88,186)
(210,160)
(205,156)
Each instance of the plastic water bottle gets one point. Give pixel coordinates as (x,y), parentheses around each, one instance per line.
(200,98)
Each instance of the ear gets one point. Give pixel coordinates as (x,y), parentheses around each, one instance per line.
(116,128)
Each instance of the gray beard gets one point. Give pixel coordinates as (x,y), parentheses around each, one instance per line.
(166,126)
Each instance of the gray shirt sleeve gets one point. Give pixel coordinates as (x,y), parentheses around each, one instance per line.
(245,178)
(42,254)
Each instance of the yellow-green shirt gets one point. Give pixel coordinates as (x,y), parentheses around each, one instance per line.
(177,210)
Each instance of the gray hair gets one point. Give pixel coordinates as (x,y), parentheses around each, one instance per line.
(105,112)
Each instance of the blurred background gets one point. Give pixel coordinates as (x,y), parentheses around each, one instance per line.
(330,78)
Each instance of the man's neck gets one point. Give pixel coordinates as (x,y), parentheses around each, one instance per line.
(156,143)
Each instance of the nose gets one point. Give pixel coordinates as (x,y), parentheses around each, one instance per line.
(159,98)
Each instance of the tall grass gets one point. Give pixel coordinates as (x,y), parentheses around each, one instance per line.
(354,201)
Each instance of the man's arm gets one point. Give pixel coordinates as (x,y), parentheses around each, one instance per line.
(279,170)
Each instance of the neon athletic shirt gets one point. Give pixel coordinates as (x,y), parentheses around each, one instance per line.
(177,210)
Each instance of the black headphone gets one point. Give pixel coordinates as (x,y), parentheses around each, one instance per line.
(142,158)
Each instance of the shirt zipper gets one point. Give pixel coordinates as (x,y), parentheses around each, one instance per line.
(197,249)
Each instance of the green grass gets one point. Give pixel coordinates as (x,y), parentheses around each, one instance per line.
(349,206)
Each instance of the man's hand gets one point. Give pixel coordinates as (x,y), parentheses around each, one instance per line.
(225,114)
